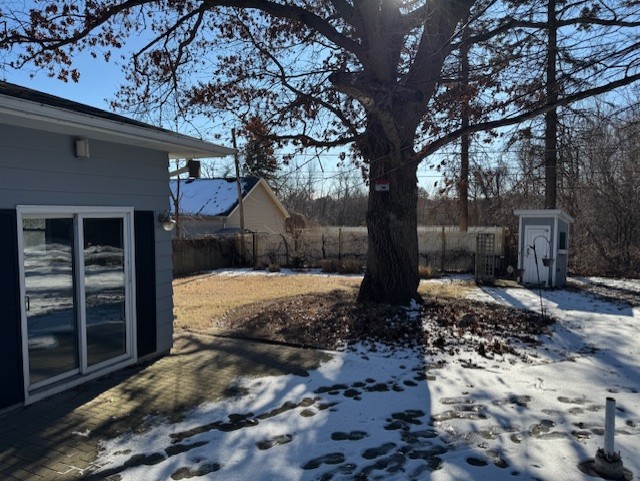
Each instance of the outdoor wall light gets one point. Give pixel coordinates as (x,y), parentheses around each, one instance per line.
(82,148)
(168,222)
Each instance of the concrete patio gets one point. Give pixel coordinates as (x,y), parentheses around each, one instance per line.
(58,439)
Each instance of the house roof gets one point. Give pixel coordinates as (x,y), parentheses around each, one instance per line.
(216,197)
(33,109)
(210,197)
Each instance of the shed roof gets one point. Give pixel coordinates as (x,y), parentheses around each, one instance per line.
(544,213)
(33,109)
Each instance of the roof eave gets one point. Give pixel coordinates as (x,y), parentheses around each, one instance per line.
(31,114)
(559,213)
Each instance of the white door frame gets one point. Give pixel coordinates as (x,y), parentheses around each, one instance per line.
(84,373)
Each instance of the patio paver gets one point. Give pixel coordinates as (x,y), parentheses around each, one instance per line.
(58,438)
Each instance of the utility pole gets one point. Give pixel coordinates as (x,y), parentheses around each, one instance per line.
(239,184)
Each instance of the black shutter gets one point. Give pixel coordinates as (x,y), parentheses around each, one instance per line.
(12,391)
(145,250)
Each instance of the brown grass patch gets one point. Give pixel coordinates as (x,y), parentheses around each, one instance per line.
(329,265)
(350,266)
(427,272)
(199,300)
(321,311)
(456,289)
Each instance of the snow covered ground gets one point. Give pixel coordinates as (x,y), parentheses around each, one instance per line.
(394,415)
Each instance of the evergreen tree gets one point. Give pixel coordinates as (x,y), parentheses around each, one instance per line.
(259,152)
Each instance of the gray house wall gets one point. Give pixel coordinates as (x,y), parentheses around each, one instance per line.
(40,168)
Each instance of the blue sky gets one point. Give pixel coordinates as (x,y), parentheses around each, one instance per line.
(98,83)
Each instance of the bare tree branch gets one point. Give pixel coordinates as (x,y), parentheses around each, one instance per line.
(516,119)
(91,24)
(298,14)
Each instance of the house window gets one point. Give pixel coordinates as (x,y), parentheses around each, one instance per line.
(562,241)
(76,280)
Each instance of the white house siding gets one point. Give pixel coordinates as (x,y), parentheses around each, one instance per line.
(261,214)
(40,168)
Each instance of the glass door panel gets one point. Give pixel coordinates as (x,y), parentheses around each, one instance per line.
(104,289)
(50,297)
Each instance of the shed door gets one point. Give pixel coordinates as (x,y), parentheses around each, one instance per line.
(536,247)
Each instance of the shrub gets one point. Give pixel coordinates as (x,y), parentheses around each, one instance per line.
(297,260)
(329,265)
(350,266)
(426,272)
(273,267)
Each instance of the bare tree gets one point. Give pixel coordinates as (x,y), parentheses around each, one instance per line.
(373,74)
(601,188)
(465,140)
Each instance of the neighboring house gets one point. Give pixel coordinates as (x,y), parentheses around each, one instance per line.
(210,206)
(85,265)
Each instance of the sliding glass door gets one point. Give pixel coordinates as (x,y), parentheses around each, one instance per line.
(76,271)
(104,289)
(50,297)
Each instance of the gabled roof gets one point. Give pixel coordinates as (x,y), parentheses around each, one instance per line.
(210,197)
(217,197)
(33,109)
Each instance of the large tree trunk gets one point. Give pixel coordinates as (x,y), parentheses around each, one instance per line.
(551,117)
(395,106)
(391,276)
(465,140)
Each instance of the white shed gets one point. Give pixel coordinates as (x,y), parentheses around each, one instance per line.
(543,246)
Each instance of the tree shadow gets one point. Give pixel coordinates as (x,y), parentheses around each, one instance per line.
(614,291)
(373,415)
(59,437)
(501,431)
(593,346)
(384,413)
(336,422)
(559,300)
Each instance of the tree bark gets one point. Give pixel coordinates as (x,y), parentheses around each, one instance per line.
(391,275)
(394,112)
(465,140)
(551,117)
